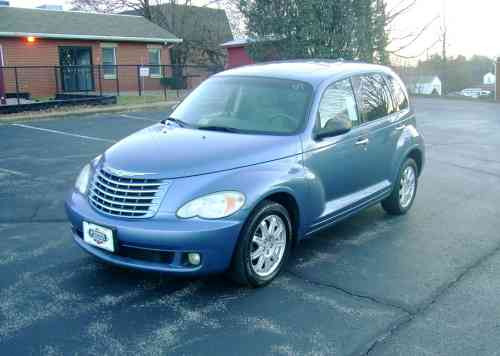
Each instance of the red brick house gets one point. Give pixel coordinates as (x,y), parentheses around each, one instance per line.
(238,52)
(62,50)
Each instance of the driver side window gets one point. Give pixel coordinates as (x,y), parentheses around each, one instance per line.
(337,104)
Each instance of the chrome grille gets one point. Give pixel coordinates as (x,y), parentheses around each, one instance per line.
(126,196)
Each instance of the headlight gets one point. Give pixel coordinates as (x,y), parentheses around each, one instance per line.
(213,206)
(82,182)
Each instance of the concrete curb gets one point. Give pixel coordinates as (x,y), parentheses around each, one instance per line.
(455,98)
(84,111)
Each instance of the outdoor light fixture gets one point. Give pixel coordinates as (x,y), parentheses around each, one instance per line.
(31,39)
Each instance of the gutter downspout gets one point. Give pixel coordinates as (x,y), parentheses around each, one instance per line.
(497,82)
(3,99)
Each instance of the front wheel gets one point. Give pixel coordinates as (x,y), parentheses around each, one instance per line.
(405,189)
(264,245)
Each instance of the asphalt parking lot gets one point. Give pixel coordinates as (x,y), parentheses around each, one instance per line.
(423,284)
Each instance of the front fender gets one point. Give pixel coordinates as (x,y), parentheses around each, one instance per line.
(257,182)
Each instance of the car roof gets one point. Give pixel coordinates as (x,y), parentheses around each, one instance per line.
(311,71)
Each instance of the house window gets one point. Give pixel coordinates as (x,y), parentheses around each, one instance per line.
(109,62)
(154,62)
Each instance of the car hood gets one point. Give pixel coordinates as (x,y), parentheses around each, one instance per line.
(174,152)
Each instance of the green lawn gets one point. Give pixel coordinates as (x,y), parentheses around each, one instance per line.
(42,98)
(172,95)
(134,100)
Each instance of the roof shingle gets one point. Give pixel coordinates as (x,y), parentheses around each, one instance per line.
(192,23)
(17,22)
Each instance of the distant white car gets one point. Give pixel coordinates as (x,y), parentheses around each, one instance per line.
(475,92)
(472,92)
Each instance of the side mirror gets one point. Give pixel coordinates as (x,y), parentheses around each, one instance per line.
(334,127)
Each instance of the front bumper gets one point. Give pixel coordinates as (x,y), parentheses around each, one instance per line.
(159,243)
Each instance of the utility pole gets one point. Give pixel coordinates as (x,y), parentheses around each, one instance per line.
(444,39)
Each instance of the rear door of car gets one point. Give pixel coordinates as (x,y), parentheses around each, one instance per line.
(400,119)
(376,109)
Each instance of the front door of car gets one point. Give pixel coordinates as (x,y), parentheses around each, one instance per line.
(336,162)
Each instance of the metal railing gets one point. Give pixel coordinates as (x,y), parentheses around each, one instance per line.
(36,83)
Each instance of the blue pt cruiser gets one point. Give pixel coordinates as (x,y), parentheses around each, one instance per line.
(251,162)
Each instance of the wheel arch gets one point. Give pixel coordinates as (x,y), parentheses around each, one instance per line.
(417,155)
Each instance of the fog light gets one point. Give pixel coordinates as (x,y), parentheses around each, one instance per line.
(194,258)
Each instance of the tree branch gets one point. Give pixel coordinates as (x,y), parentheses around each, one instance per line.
(417,55)
(416,37)
(391,16)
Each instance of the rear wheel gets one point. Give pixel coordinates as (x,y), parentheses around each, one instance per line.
(405,189)
(264,245)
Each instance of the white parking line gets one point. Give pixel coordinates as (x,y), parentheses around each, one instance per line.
(15,173)
(137,118)
(64,133)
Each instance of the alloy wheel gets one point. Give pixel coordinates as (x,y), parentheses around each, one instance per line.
(407,186)
(268,245)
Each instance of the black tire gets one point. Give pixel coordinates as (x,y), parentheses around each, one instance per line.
(392,204)
(241,270)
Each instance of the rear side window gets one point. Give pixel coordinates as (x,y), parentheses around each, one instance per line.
(373,97)
(398,93)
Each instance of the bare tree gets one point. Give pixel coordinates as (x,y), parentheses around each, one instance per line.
(402,7)
(202,28)
(234,15)
(399,44)
(109,6)
(112,6)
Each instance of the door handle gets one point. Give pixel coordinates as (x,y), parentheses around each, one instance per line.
(364,141)
(401,127)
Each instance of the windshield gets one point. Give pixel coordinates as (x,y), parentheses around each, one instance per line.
(247,105)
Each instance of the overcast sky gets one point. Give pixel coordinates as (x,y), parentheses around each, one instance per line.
(473,26)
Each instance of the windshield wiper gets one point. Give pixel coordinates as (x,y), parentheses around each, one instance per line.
(219,128)
(174,120)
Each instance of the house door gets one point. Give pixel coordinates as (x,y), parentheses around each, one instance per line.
(76,69)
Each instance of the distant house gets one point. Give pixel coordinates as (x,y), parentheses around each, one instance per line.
(202,29)
(423,84)
(489,79)
(57,40)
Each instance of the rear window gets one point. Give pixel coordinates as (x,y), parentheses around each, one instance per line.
(398,93)
(373,97)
